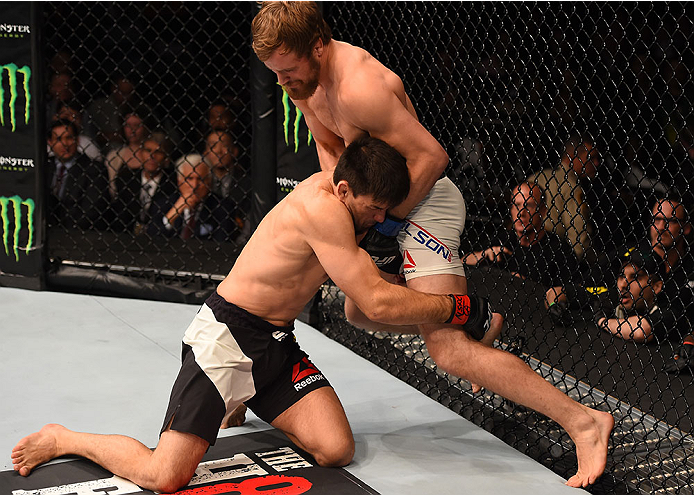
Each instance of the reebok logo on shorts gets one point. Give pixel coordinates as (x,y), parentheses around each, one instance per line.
(305,373)
(409,266)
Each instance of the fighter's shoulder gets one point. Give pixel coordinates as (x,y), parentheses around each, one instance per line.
(318,203)
(362,75)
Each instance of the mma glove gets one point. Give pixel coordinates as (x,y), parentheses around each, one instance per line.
(381,242)
(682,360)
(471,312)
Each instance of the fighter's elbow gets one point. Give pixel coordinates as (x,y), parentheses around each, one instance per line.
(377,310)
(441,159)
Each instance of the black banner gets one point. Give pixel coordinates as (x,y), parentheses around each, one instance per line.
(296,150)
(263,462)
(21,148)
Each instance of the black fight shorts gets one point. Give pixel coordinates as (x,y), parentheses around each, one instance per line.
(231,356)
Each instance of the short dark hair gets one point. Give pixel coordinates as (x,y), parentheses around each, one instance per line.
(63,123)
(373,167)
(645,260)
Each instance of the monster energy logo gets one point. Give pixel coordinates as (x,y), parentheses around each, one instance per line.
(12,70)
(297,120)
(16,203)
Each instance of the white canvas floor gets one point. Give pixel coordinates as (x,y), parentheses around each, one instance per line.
(106,365)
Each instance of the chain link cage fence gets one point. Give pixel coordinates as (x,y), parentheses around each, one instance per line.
(158,95)
(590,103)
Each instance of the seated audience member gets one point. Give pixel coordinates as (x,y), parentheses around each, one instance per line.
(134,133)
(71,110)
(569,214)
(109,111)
(145,195)
(230,187)
(220,118)
(77,184)
(183,217)
(527,249)
(669,228)
(636,308)
(61,88)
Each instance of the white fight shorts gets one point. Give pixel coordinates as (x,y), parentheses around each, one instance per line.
(430,239)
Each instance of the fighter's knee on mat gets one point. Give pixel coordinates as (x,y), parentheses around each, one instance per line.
(337,452)
(170,480)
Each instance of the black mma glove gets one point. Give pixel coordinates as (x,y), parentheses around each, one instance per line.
(471,312)
(682,360)
(381,242)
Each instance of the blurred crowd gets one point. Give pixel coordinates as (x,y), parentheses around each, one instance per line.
(115,165)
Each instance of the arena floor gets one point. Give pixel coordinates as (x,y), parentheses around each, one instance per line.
(106,365)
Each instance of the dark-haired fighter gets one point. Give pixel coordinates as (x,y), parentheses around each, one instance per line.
(345,93)
(240,347)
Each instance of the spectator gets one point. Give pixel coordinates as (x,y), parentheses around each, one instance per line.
(61,87)
(108,112)
(526,249)
(72,111)
(77,184)
(569,215)
(668,233)
(668,230)
(230,186)
(220,118)
(134,133)
(193,188)
(145,195)
(633,309)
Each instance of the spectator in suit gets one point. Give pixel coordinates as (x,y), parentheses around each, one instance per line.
(72,111)
(145,195)
(134,132)
(77,185)
(526,249)
(230,188)
(184,216)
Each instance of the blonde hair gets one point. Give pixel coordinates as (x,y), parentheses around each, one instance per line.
(292,26)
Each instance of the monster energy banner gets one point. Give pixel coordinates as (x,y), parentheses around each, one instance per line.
(21,148)
(296,150)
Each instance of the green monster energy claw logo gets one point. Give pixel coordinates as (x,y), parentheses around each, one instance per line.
(16,203)
(297,120)
(12,70)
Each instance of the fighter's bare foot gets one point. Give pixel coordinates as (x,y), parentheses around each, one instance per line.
(237,418)
(489,338)
(36,449)
(591,449)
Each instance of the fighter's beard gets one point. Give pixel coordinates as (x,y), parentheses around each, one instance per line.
(303,92)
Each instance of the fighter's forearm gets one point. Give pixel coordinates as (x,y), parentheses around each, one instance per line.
(424,173)
(396,305)
(636,328)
